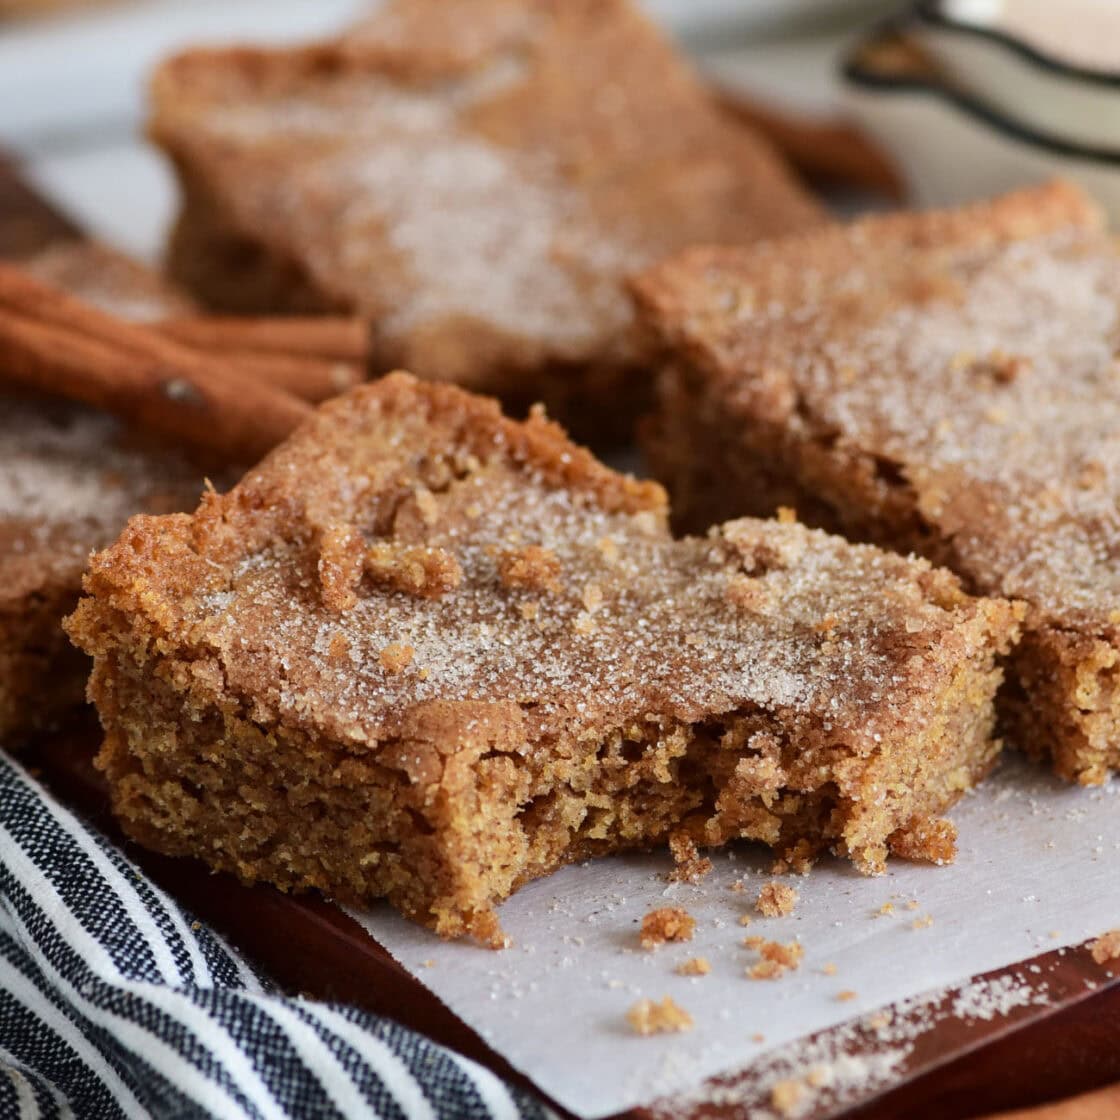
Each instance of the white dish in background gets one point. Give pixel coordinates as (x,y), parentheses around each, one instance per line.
(708,17)
(950,147)
(63,80)
(1082,34)
(988,49)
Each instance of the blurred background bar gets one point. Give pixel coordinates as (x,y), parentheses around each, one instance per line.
(76,125)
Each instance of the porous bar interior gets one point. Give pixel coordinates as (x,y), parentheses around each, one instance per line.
(477,177)
(429,653)
(945,383)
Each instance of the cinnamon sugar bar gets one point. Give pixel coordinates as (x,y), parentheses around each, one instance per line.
(475,176)
(70,477)
(944,383)
(578,682)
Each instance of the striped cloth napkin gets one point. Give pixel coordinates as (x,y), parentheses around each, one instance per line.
(115,1003)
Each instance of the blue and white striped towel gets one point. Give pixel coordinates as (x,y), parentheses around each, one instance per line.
(114,1003)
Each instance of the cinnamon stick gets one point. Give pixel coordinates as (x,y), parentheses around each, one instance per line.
(310,379)
(326,337)
(53,342)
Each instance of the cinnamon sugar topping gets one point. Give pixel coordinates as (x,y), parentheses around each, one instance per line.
(694,966)
(776,900)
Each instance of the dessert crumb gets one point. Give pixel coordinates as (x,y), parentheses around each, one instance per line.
(694,966)
(689,865)
(797,860)
(669,923)
(777,959)
(785,1096)
(933,841)
(846,996)
(829,969)
(788,955)
(649,1017)
(745,920)
(1106,948)
(924,922)
(765,970)
(338,651)
(775,900)
(396,657)
(886,908)
(608,549)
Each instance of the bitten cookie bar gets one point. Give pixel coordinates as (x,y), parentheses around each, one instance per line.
(475,176)
(944,383)
(70,477)
(428,653)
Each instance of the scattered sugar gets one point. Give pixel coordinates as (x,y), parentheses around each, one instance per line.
(1106,948)
(776,900)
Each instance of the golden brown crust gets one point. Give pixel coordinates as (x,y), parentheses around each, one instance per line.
(337,175)
(938,383)
(582,686)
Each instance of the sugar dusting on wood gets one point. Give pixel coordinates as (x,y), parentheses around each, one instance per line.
(850,1062)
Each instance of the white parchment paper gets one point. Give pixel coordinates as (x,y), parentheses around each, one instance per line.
(1037,869)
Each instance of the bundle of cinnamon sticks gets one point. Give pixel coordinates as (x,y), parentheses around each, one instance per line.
(234,387)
